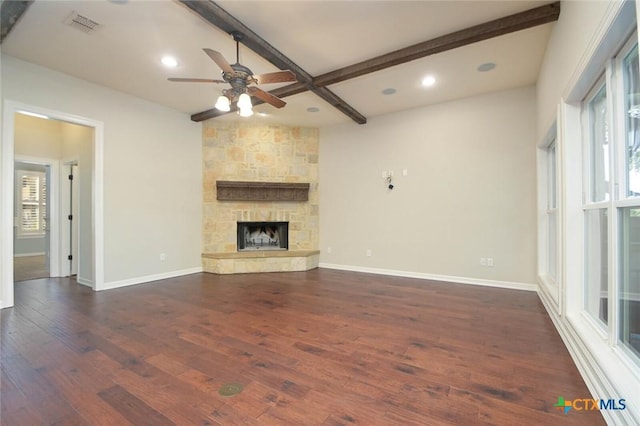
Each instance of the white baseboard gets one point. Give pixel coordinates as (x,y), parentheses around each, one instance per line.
(433,277)
(29,254)
(88,283)
(149,278)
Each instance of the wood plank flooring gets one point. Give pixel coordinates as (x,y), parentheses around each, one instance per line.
(321,347)
(29,268)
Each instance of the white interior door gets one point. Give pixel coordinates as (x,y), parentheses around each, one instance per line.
(73,216)
(47,219)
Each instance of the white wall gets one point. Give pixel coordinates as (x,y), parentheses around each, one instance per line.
(469,191)
(152,171)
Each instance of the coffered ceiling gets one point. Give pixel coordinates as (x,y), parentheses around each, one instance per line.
(125,51)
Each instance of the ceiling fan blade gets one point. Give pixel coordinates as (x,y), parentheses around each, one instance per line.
(266,97)
(196,80)
(219,59)
(275,77)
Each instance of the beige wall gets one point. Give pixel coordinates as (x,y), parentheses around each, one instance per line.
(469,191)
(152,171)
(37,137)
(571,34)
(262,153)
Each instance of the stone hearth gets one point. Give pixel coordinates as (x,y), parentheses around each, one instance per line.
(260,261)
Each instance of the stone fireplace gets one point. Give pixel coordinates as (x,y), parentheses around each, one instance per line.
(260,174)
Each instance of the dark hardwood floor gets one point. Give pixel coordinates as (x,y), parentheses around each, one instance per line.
(311,348)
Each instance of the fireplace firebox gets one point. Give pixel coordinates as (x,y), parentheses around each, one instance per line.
(263,236)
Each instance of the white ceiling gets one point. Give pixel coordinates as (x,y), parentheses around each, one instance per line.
(320,36)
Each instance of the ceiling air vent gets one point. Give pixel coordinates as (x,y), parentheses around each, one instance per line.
(82,23)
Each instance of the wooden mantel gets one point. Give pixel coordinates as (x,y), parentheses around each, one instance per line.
(261,191)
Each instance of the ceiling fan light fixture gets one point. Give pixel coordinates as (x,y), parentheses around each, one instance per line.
(244,101)
(245,112)
(223,104)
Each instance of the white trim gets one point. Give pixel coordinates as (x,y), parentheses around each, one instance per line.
(84,282)
(433,277)
(552,285)
(6,211)
(149,278)
(548,290)
(29,254)
(605,40)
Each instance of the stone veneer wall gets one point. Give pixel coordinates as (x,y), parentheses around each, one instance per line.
(259,153)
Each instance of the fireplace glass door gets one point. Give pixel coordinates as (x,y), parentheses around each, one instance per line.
(263,236)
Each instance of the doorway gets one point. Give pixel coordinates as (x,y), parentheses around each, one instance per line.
(91,271)
(35,218)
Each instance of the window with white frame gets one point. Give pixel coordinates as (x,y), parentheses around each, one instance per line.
(611,202)
(629,205)
(552,211)
(32,198)
(598,184)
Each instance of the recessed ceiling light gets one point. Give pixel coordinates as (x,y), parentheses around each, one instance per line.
(428,81)
(487,66)
(389,91)
(169,61)
(313,109)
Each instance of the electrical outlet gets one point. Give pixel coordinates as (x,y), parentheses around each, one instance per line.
(405,172)
(163,257)
(490,261)
(368,252)
(328,249)
(483,261)
(384,174)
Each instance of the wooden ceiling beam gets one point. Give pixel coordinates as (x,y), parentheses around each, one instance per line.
(512,23)
(220,18)
(10,14)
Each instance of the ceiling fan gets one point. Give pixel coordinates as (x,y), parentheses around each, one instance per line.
(240,77)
